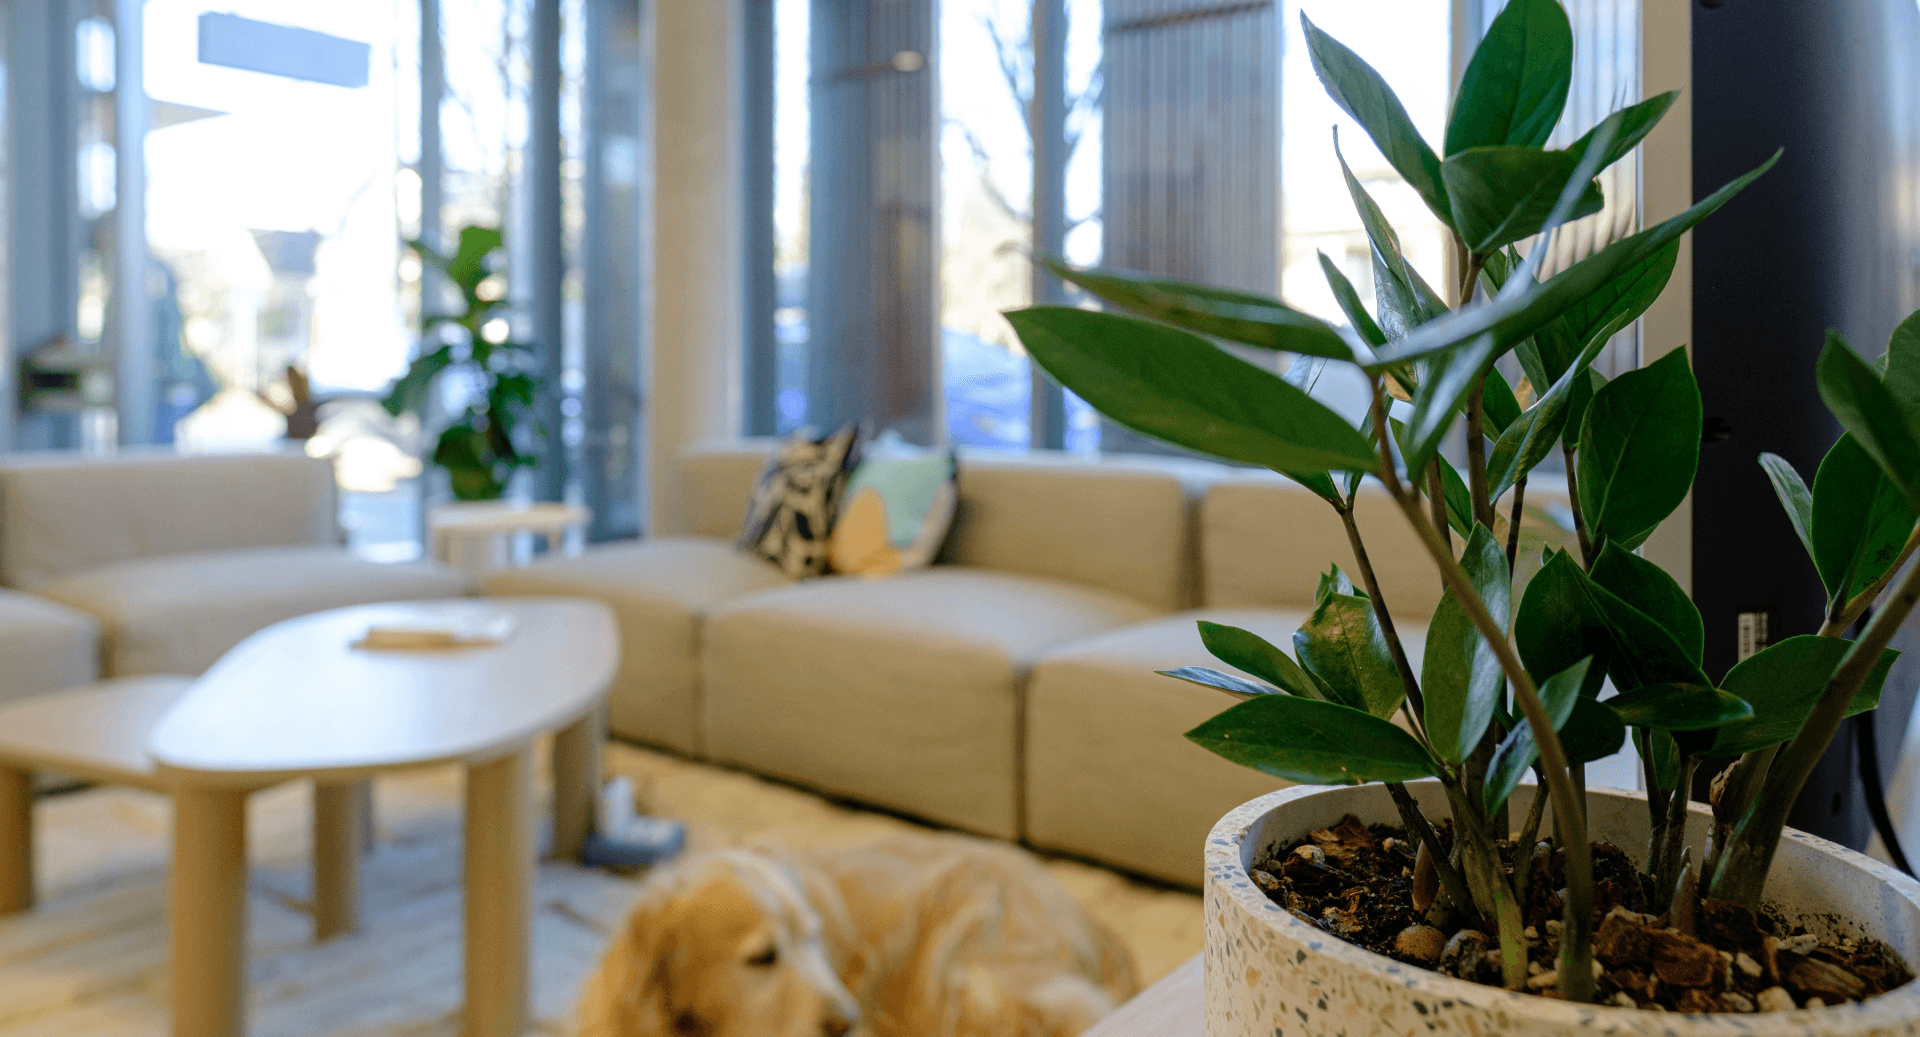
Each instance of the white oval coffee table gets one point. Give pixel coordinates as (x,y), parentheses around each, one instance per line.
(297,700)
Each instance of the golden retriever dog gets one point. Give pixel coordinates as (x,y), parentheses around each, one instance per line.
(929,936)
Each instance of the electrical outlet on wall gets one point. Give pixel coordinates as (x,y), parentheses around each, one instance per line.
(1752,636)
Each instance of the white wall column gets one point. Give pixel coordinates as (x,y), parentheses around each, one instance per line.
(698,294)
(1666,191)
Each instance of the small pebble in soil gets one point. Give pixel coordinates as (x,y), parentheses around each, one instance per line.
(1737,1000)
(1745,963)
(1388,844)
(1554,925)
(1311,853)
(1774,999)
(1801,944)
(1421,943)
(1544,981)
(1530,933)
(1624,1000)
(1814,1002)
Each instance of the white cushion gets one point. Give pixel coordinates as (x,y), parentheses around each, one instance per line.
(659,590)
(903,692)
(44,645)
(180,613)
(66,513)
(1109,773)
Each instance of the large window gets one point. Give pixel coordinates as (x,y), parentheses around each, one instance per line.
(221,195)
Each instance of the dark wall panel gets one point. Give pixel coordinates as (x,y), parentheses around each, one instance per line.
(1826,240)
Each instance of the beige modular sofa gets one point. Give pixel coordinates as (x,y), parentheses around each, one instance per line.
(1007,690)
(154,562)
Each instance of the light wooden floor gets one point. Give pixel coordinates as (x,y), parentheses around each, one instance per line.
(91,960)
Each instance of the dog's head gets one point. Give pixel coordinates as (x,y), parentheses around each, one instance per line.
(727,945)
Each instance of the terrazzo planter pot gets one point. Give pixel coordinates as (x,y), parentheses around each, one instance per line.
(1269,974)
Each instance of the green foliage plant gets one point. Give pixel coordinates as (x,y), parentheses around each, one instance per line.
(484,443)
(1509,685)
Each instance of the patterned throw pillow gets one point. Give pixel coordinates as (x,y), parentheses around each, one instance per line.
(791,512)
(898,507)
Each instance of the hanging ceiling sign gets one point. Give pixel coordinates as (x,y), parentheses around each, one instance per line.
(282,50)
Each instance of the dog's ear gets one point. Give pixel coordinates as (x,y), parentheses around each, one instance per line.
(628,986)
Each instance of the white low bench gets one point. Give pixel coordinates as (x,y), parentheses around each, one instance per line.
(100,732)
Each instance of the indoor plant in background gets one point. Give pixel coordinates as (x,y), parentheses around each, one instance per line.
(1507,687)
(495,432)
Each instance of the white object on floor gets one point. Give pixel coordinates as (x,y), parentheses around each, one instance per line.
(482,536)
(294,700)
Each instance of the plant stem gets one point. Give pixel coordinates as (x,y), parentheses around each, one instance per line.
(1669,837)
(1576,977)
(1523,847)
(1513,523)
(1477,452)
(1451,881)
(1749,772)
(1437,502)
(1743,869)
(1573,501)
(1385,616)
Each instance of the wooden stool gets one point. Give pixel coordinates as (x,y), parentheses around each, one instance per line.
(100,732)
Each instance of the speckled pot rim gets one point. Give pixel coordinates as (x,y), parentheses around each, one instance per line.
(1225,871)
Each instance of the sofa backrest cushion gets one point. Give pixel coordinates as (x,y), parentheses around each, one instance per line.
(63,513)
(1265,540)
(716,481)
(1123,524)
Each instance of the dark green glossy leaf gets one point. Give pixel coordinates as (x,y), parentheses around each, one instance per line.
(1903,367)
(1349,300)
(1639,450)
(1783,682)
(1512,317)
(1651,590)
(1679,707)
(1343,645)
(1795,500)
(1335,581)
(1363,94)
(1531,437)
(1609,309)
(1501,195)
(1460,677)
(1518,751)
(1403,296)
(1564,616)
(1246,650)
(1658,749)
(1175,386)
(1244,317)
(1317,743)
(1867,408)
(1859,521)
(1208,677)
(409,392)
(1453,488)
(1499,404)
(1593,732)
(1438,398)
(1515,86)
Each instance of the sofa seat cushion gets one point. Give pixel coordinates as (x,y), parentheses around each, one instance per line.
(903,692)
(1109,773)
(659,591)
(180,613)
(44,645)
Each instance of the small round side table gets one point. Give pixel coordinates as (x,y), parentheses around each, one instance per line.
(487,535)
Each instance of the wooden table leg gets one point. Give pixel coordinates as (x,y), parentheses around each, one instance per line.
(576,783)
(499,866)
(336,858)
(208,923)
(16,840)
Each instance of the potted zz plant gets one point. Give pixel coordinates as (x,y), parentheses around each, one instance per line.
(483,444)
(1577,909)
